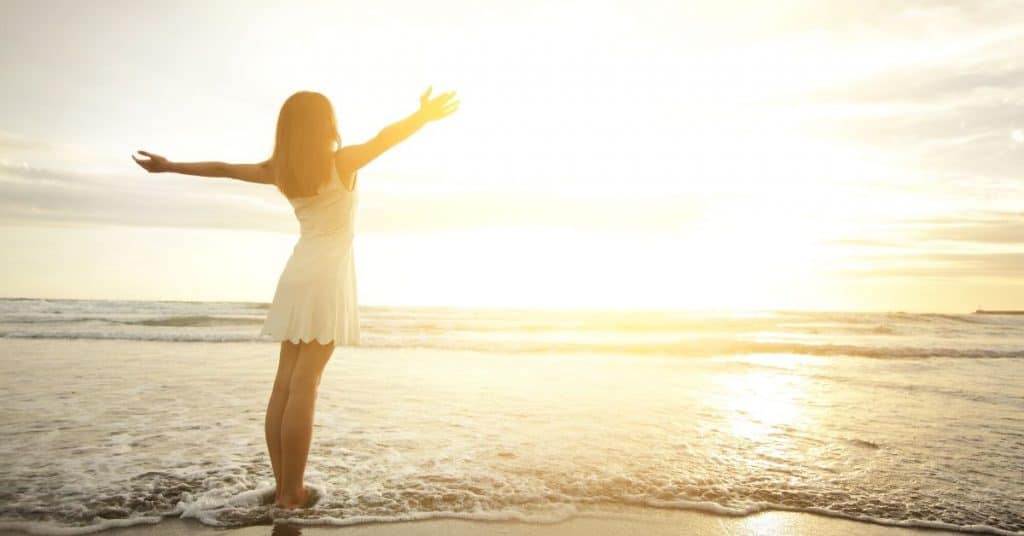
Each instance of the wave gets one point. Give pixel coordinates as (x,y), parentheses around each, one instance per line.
(196,321)
(238,511)
(688,348)
(151,337)
(714,508)
(170,321)
(49,528)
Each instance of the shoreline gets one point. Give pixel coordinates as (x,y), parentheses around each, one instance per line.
(647,521)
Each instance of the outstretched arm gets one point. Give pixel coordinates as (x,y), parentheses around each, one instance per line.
(245,172)
(353,157)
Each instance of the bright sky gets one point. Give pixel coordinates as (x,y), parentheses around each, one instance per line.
(807,155)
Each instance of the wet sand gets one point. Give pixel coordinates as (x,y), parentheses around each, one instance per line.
(628,521)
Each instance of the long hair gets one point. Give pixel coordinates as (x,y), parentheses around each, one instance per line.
(303,156)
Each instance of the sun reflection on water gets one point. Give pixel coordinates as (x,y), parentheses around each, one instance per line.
(763,404)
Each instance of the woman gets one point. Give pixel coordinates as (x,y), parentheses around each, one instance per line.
(314,307)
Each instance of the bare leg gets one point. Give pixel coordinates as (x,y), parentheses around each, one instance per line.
(297,422)
(275,408)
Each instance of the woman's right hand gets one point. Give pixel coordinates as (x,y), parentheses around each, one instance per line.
(155,163)
(438,107)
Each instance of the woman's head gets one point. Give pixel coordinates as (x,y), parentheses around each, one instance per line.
(307,132)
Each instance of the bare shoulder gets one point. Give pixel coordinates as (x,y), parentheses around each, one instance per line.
(347,159)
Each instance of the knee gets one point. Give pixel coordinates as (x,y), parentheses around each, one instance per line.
(304,383)
(280,389)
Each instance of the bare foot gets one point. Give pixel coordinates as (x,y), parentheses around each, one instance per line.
(308,498)
(268,497)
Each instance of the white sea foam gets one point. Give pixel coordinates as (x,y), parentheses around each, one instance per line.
(104,433)
(880,335)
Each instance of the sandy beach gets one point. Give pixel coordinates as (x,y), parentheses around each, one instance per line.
(628,521)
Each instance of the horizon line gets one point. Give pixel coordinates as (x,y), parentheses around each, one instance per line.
(540,308)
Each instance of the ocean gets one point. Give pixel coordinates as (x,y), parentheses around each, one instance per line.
(115,413)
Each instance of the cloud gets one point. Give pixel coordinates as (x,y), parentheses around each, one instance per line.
(31,194)
(970,229)
(993,228)
(16,150)
(936,86)
(947,265)
(974,245)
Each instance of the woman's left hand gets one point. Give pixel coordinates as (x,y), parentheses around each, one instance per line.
(155,164)
(438,107)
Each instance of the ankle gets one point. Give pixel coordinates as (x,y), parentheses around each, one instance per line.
(292,496)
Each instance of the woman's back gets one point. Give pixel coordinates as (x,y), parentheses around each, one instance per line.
(330,211)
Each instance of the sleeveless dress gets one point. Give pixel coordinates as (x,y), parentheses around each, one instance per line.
(316,294)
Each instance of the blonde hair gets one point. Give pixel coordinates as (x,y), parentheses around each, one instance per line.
(302,156)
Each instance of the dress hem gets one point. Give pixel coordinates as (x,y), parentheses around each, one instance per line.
(309,339)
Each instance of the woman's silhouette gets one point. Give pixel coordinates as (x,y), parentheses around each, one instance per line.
(314,307)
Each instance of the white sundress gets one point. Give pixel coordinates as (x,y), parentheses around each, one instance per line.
(316,294)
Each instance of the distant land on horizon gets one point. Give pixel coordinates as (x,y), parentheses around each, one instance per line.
(999,312)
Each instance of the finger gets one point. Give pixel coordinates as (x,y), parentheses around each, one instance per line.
(426,94)
(441,99)
(149,154)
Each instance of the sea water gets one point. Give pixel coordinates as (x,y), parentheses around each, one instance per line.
(115,413)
